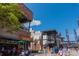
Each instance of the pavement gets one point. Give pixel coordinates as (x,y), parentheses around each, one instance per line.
(71,52)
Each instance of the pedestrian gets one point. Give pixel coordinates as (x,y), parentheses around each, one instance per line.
(22,53)
(64,51)
(8,52)
(1,54)
(78,52)
(3,51)
(60,52)
(27,52)
(53,50)
(68,52)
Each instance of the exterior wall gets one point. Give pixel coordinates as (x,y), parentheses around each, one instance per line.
(49,40)
(36,43)
(53,39)
(36,46)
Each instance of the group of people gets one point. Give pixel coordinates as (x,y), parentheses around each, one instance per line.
(8,51)
(66,51)
(13,52)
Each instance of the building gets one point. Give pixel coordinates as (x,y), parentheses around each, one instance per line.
(51,38)
(36,43)
(20,39)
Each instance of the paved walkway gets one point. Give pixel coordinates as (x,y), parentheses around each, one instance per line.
(70,52)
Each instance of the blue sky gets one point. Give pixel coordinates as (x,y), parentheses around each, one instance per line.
(59,16)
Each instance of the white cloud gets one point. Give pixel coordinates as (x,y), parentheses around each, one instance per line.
(35,22)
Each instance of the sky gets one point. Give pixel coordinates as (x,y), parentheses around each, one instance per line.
(58,16)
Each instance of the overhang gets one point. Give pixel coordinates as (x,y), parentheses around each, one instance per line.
(26,12)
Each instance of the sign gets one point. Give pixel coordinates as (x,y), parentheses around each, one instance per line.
(25,38)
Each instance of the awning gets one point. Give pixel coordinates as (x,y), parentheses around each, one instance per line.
(26,11)
(18,36)
(8,36)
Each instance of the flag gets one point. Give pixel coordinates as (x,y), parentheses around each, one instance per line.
(67,36)
(75,33)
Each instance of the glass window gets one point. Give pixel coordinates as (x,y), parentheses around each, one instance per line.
(44,42)
(45,37)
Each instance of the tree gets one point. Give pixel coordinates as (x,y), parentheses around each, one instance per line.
(9,17)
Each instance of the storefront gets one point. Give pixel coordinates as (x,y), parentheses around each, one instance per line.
(10,42)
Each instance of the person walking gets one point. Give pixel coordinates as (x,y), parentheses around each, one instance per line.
(64,51)
(22,53)
(60,52)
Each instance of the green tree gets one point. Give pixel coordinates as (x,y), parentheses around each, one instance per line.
(9,17)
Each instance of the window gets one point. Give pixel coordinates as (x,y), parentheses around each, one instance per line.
(44,42)
(45,37)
